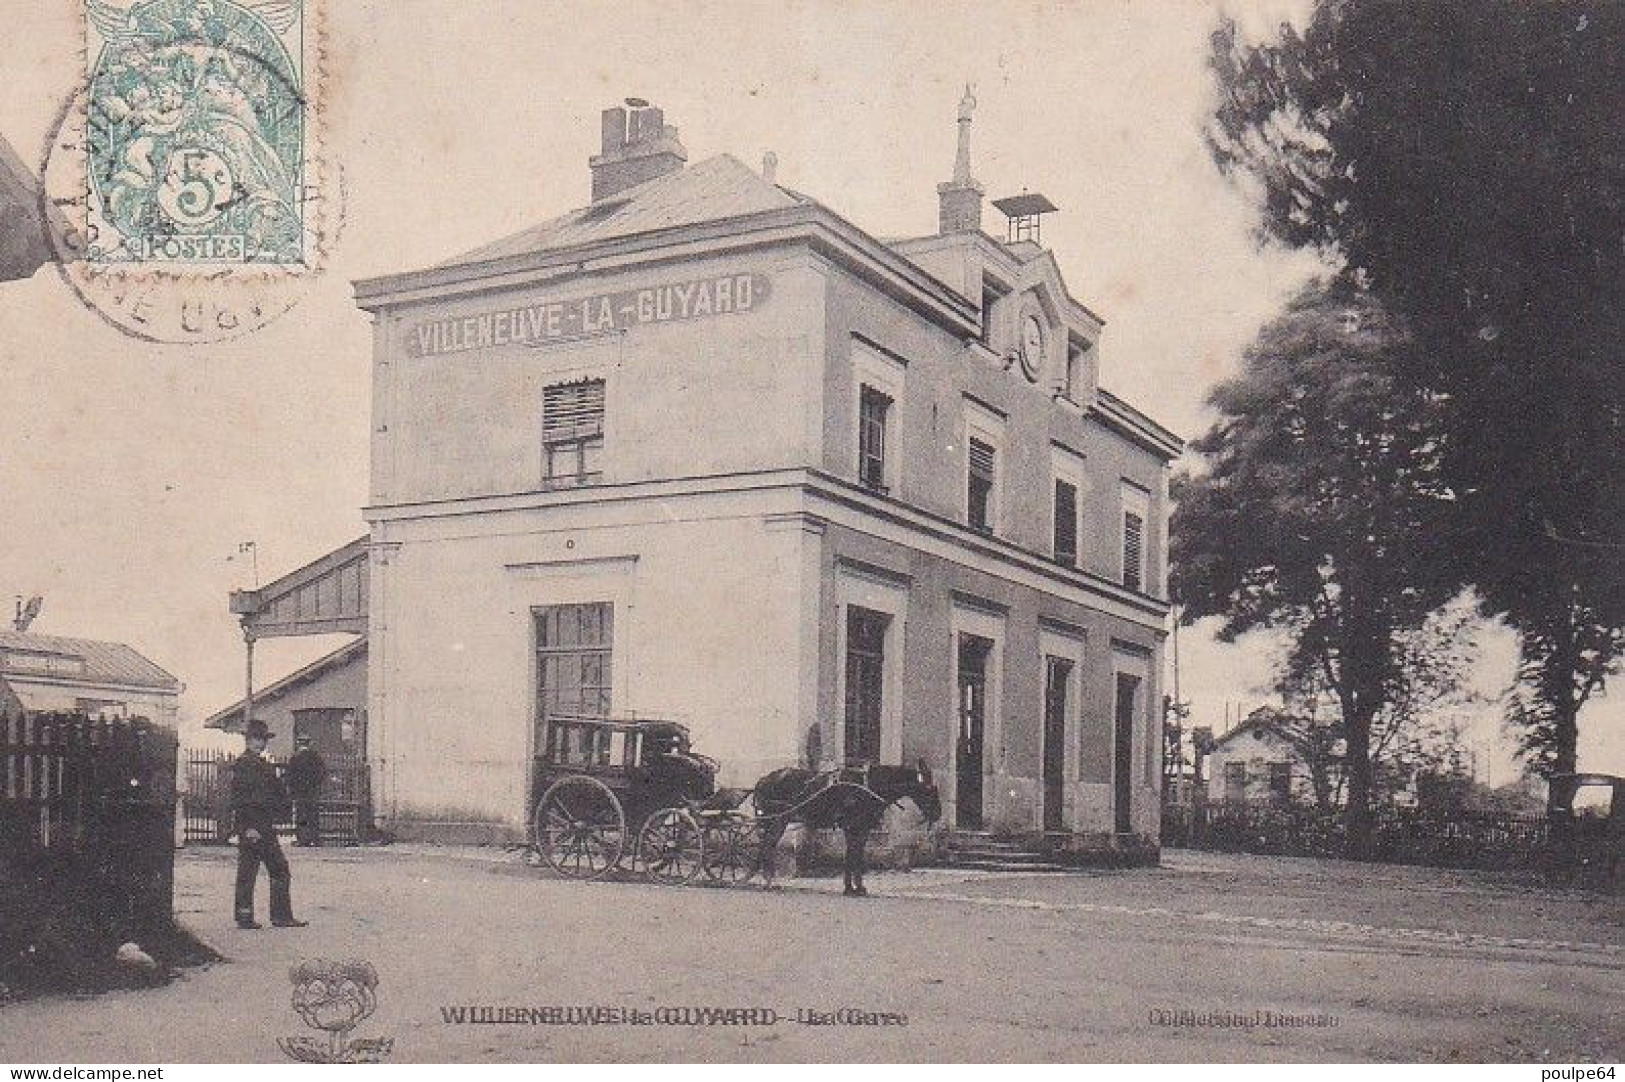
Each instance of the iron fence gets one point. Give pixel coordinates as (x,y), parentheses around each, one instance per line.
(344,815)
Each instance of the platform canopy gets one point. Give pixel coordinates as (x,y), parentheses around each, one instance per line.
(325,596)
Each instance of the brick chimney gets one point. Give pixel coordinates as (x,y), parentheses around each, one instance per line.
(959,201)
(638,145)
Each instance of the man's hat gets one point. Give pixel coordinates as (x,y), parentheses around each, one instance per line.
(256,727)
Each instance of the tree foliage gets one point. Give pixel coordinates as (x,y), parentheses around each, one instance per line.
(1417,730)
(1466,164)
(1320,513)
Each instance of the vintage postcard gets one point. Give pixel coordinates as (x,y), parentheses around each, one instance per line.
(811,532)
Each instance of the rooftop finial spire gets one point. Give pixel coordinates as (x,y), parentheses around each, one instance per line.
(959,201)
(967,106)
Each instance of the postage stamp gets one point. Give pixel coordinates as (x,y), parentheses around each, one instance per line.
(196,131)
(189,165)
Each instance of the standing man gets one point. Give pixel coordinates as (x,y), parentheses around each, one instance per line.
(258,800)
(306,772)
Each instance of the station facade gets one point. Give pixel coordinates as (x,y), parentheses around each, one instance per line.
(705,450)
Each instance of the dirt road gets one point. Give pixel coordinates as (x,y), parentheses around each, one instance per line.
(1208,958)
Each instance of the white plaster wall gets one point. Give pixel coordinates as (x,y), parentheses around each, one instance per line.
(156,706)
(1257,751)
(692,397)
(452,726)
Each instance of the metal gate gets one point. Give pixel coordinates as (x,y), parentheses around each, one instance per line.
(206,802)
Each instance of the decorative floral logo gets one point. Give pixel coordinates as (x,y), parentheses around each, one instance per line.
(335,997)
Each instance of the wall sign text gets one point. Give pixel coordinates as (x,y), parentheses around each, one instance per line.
(588,317)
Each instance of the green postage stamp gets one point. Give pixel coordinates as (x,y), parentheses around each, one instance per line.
(189,165)
(196,131)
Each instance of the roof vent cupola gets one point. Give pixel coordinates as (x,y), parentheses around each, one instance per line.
(959,201)
(1024,215)
(638,146)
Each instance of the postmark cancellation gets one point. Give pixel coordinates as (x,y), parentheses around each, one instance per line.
(189,165)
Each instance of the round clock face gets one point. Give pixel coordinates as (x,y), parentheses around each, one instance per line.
(1032,347)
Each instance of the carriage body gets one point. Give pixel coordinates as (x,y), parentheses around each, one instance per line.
(1587,818)
(600,785)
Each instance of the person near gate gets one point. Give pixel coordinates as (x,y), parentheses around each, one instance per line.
(306,772)
(258,800)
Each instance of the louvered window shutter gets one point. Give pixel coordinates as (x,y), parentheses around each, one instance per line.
(981,460)
(573,411)
(1133,549)
(1066,523)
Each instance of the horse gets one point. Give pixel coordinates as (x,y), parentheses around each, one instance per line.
(852,798)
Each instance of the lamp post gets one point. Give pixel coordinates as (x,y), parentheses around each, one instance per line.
(245,603)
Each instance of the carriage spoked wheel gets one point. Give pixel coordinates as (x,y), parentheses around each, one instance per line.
(580,827)
(731,853)
(671,847)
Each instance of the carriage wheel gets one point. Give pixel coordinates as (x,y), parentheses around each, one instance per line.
(731,854)
(671,847)
(580,827)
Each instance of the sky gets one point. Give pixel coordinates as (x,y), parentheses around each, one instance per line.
(133,471)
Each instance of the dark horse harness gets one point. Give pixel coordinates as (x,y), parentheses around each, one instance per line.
(823,785)
(852,798)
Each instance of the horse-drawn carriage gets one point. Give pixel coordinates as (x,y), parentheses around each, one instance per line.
(633,795)
(1586,815)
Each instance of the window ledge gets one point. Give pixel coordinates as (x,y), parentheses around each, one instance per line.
(575,480)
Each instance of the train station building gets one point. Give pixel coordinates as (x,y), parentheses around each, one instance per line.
(703,449)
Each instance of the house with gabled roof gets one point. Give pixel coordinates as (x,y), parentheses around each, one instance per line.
(47,673)
(325,700)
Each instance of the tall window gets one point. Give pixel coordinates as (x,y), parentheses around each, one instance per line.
(1066,523)
(1281,782)
(991,294)
(865,677)
(1136,507)
(1133,550)
(573,432)
(979,492)
(1072,382)
(873,409)
(573,670)
(1235,782)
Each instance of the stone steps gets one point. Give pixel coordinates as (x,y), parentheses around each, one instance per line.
(984,852)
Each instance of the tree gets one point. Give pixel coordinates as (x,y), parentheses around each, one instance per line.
(1320,513)
(1417,730)
(1466,164)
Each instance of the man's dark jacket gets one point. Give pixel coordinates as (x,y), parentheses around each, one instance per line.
(306,772)
(258,797)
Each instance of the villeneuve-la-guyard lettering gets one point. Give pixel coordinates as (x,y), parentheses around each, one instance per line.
(586,317)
